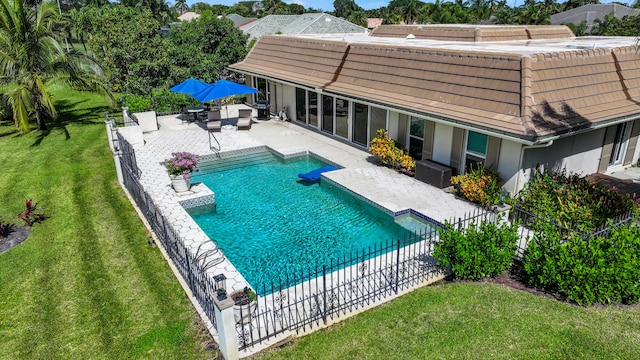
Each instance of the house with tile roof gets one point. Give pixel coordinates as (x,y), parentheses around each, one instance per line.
(310,23)
(511,97)
(590,13)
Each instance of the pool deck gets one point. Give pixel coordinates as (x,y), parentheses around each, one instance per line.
(386,187)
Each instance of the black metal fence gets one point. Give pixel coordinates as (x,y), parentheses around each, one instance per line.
(360,280)
(128,160)
(186,263)
(532,224)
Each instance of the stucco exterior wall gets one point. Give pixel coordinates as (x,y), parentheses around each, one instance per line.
(442,143)
(508,162)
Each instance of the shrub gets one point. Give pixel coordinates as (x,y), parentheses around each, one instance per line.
(480,185)
(31,214)
(136,103)
(165,101)
(383,147)
(572,200)
(478,251)
(388,152)
(586,271)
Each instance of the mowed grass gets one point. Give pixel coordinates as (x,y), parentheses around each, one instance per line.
(85,284)
(475,321)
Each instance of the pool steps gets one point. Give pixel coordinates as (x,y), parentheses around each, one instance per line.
(208,165)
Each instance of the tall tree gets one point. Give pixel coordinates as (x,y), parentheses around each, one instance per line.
(128,44)
(344,7)
(32,61)
(181,6)
(204,47)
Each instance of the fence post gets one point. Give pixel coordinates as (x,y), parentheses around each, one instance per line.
(226,327)
(502,210)
(324,293)
(397,266)
(114,151)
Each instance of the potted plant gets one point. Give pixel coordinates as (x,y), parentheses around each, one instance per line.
(246,302)
(180,167)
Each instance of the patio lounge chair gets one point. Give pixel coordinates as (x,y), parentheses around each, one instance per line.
(244,118)
(214,120)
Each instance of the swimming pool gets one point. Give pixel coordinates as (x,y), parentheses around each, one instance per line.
(270,224)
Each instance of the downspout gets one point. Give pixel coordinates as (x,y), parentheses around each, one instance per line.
(522,149)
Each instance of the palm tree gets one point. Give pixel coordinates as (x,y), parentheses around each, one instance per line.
(181,6)
(32,60)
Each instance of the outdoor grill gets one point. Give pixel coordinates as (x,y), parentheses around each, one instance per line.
(263,109)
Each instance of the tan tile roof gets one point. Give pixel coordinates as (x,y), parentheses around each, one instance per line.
(515,89)
(374,22)
(474,33)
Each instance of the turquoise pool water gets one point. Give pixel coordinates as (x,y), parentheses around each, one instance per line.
(269,224)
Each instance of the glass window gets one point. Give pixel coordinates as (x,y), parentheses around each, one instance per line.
(261,85)
(342,118)
(327,113)
(416,138)
(313,108)
(617,153)
(360,120)
(301,105)
(378,121)
(476,149)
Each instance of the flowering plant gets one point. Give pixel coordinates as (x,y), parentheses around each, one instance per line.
(181,163)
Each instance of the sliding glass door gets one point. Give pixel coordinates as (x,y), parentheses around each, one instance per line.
(327,113)
(360,120)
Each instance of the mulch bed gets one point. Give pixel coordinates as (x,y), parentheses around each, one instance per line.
(516,282)
(14,236)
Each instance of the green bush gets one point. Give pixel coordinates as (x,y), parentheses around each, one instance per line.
(136,103)
(477,252)
(572,201)
(596,270)
(480,185)
(166,102)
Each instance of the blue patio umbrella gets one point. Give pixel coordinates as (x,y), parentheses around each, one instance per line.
(189,86)
(221,89)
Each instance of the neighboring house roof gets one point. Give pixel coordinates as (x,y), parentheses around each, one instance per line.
(239,20)
(311,23)
(374,22)
(532,90)
(590,13)
(473,33)
(188,16)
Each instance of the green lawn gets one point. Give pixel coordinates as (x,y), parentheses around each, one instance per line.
(85,284)
(475,321)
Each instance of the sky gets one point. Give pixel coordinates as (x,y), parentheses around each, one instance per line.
(327,5)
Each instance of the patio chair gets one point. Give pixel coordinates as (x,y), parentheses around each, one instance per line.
(214,120)
(244,118)
(184,114)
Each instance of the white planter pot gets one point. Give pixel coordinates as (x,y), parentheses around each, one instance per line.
(179,183)
(243,313)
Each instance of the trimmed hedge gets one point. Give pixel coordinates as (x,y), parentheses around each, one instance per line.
(480,251)
(586,271)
